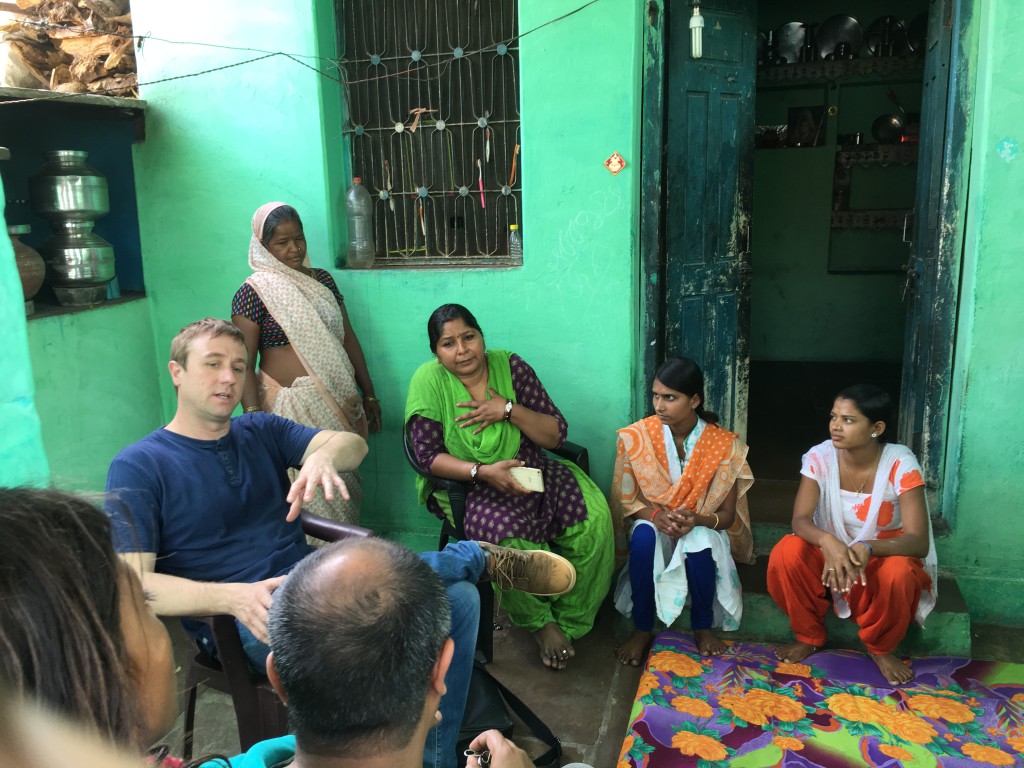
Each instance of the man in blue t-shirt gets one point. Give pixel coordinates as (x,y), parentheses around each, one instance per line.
(203,510)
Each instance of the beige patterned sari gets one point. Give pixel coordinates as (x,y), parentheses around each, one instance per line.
(327,397)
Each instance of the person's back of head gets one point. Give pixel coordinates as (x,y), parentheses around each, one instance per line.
(356,631)
(61,638)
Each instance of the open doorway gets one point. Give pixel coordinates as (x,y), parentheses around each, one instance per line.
(835,168)
(816,260)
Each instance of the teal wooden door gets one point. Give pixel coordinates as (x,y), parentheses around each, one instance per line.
(932,271)
(708,181)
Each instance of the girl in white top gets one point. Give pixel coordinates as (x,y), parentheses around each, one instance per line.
(860,532)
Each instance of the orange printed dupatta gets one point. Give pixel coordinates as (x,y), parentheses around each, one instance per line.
(642,479)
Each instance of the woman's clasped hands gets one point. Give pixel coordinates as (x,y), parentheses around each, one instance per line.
(484,413)
(844,565)
(674,522)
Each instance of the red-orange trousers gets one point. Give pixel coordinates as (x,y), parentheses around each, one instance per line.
(883,609)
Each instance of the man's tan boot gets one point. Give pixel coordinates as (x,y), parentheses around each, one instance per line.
(535,571)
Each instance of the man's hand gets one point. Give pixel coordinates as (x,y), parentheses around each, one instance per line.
(504,754)
(317,472)
(250,604)
(327,454)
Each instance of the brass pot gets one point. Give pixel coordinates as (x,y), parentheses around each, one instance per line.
(31,267)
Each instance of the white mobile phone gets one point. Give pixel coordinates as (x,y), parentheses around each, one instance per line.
(530,478)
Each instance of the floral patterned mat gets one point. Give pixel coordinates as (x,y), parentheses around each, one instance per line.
(746,709)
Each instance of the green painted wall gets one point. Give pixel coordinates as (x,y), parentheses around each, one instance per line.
(220,145)
(96,388)
(795,301)
(22,460)
(986,451)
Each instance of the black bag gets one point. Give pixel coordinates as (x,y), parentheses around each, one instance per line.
(487,708)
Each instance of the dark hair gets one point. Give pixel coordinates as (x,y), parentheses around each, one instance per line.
(60,621)
(355,659)
(278,216)
(874,402)
(444,314)
(684,375)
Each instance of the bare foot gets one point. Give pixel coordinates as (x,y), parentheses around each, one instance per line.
(634,650)
(795,652)
(708,644)
(892,669)
(555,647)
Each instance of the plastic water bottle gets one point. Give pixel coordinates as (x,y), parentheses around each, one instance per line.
(515,242)
(359,210)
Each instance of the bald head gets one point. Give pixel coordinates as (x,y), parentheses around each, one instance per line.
(356,630)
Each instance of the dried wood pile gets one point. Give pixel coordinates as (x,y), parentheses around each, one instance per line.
(71,46)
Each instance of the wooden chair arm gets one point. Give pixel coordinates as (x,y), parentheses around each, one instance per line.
(330,530)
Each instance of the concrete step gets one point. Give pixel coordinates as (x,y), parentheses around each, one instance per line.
(947,631)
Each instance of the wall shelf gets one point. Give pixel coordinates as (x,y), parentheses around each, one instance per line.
(131,106)
(45,309)
(895,218)
(882,69)
(877,154)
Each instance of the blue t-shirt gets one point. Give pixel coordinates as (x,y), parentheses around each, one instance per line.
(211,510)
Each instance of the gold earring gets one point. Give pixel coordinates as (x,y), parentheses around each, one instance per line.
(873,434)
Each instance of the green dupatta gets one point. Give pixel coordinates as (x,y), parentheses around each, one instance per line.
(433,393)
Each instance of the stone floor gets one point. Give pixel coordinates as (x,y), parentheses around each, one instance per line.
(587,705)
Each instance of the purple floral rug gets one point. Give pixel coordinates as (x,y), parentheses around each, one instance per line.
(748,710)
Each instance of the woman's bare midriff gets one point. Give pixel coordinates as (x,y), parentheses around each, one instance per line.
(281,364)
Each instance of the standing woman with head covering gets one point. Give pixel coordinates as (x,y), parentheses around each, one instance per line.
(311,365)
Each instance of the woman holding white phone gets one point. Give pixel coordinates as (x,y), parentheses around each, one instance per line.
(483,416)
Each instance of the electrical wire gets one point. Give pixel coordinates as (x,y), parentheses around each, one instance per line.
(295,57)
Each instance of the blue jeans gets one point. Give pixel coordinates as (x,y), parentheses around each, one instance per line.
(459,565)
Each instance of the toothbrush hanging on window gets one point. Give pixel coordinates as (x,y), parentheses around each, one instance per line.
(487,137)
(480,182)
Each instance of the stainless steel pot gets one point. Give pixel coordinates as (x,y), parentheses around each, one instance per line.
(67,188)
(79,263)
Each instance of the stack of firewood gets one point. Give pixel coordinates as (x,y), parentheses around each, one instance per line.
(72,46)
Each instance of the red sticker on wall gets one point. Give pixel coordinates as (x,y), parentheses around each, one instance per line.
(615,163)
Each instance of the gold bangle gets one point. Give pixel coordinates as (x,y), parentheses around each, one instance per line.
(370,399)
(717,521)
(253,409)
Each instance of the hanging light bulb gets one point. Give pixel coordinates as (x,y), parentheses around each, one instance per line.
(696,32)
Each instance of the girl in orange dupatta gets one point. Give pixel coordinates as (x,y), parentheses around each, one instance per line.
(680,487)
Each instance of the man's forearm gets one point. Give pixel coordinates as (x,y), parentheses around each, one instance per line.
(175,596)
(343,450)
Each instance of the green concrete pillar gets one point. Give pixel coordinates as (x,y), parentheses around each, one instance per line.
(22,460)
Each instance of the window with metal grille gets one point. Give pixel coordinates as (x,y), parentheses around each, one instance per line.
(433,123)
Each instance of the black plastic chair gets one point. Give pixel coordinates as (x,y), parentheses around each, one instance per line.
(260,713)
(457,492)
